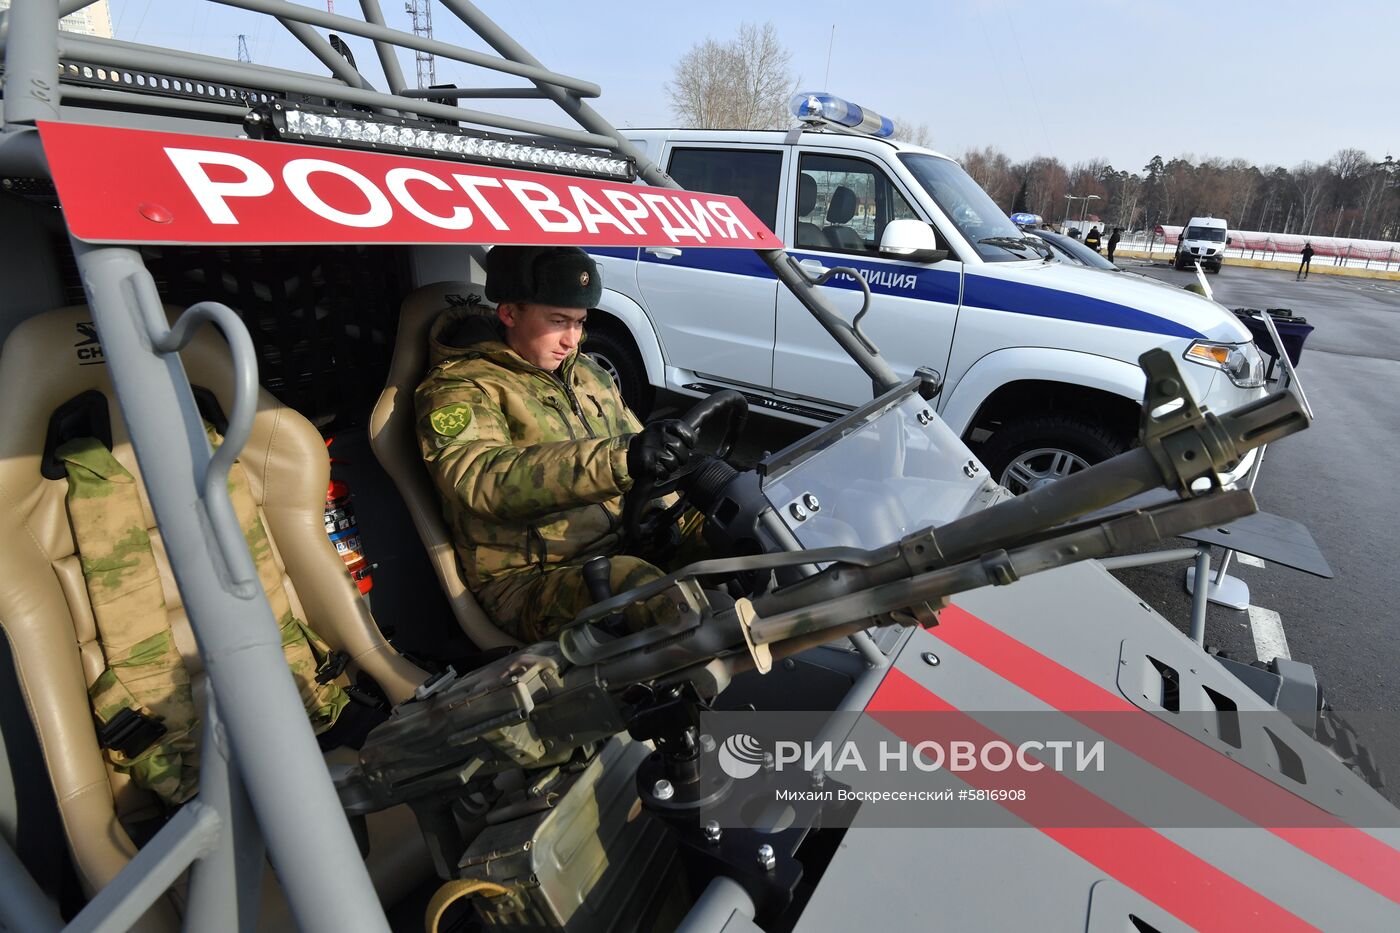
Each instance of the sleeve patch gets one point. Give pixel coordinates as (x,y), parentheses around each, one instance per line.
(450,420)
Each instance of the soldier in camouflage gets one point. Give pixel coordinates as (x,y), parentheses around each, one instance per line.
(532,448)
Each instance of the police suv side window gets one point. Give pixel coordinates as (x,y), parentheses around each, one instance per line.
(751,175)
(844,204)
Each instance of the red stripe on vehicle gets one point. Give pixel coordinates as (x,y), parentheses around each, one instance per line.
(1178,881)
(1354,853)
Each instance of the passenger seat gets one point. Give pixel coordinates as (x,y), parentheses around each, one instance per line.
(808,233)
(47,618)
(838,214)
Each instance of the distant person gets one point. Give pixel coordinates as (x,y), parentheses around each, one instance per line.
(1305,266)
(1072,233)
(1113,241)
(1092,239)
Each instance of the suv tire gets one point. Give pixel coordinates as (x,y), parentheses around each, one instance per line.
(1036,441)
(620,359)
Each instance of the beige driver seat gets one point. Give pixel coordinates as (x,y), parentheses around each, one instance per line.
(47,618)
(392,434)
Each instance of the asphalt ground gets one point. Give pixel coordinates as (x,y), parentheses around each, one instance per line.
(1338,478)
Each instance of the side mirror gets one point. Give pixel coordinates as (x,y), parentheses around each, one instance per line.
(911,239)
(1229,240)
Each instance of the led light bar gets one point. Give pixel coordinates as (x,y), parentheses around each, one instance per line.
(359,130)
(162,84)
(820,107)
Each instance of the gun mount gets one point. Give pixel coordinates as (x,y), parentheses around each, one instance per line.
(509,738)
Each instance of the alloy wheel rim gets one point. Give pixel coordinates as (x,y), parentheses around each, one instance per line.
(1040,467)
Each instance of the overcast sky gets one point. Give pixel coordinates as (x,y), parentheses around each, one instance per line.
(1272,82)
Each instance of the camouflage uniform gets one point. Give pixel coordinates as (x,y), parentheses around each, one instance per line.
(531,467)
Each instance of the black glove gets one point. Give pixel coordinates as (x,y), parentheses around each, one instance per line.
(662,448)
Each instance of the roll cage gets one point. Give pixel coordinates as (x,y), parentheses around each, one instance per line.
(264,761)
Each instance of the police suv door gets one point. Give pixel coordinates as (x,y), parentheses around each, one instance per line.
(714,308)
(841,205)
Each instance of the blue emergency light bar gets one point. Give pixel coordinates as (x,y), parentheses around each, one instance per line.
(820,107)
(1023,219)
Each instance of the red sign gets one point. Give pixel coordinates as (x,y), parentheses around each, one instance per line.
(138,186)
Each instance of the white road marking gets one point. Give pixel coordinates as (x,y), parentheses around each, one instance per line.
(1269,640)
(1249,560)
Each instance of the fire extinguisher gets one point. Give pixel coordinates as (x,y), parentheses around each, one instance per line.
(345,533)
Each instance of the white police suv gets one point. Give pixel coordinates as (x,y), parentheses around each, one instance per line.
(1038,358)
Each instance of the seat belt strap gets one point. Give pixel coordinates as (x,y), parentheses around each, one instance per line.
(144,672)
(142,699)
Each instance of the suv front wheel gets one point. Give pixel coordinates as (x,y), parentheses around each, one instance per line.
(619,359)
(1027,453)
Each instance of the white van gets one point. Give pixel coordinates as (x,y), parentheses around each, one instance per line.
(1203,240)
(1038,359)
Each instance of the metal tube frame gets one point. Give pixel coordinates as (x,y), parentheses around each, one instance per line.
(226,882)
(31,63)
(64,8)
(327,55)
(510,65)
(387,60)
(327,885)
(191,833)
(1149,559)
(25,906)
(104,53)
(481,93)
(172,105)
(260,759)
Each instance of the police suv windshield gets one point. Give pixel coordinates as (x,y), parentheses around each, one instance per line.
(976,215)
(1211,234)
(1075,250)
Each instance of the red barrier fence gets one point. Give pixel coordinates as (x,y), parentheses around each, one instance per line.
(1375,250)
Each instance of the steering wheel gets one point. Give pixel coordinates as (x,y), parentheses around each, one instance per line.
(717,422)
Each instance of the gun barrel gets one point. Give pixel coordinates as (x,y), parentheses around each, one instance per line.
(1224,440)
(1087,540)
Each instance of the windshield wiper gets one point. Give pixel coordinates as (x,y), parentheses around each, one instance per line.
(1014,243)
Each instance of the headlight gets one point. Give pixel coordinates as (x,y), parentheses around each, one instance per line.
(1242,362)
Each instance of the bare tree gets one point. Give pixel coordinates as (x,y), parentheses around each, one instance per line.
(1047,183)
(910,132)
(1312,181)
(1370,198)
(740,84)
(1347,164)
(1125,199)
(991,170)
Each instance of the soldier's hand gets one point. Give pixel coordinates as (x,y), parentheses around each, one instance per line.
(662,448)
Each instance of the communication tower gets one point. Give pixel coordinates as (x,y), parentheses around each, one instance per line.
(422,13)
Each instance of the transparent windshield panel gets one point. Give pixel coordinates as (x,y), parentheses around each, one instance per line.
(889,477)
(1212,234)
(1080,252)
(976,215)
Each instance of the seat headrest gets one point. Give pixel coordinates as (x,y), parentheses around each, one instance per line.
(419,311)
(806,194)
(842,207)
(54,358)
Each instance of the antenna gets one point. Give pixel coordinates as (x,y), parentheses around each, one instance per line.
(243,55)
(422,13)
(826,80)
